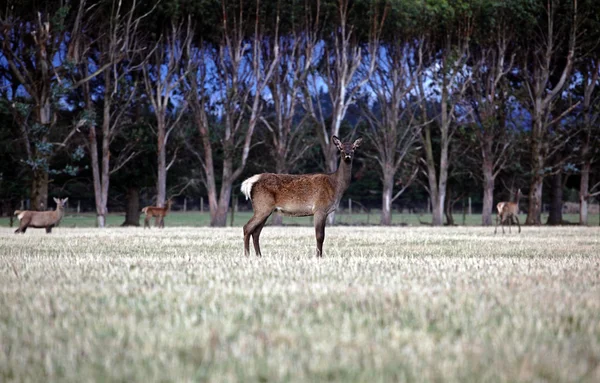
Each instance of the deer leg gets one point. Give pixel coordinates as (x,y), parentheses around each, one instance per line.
(147,222)
(496,227)
(510,220)
(320,221)
(48,229)
(518,224)
(161,224)
(249,229)
(256,236)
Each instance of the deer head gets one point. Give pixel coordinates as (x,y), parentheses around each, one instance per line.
(346,149)
(60,203)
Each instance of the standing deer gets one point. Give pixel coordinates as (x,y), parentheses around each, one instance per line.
(159,212)
(508,211)
(41,219)
(297,196)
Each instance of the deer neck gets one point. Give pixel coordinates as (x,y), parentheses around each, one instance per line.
(343,175)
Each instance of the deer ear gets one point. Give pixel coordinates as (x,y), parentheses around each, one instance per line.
(65,200)
(56,200)
(357,143)
(337,142)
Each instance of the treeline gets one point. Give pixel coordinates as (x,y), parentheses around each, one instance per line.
(454,98)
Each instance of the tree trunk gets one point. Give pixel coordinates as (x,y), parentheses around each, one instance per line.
(488,194)
(132,213)
(220,216)
(556,201)
(161,179)
(584,185)
(534,211)
(39,190)
(448,206)
(386,197)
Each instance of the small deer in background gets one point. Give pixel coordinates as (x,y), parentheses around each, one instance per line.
(297,196)
(159,212)
(508,211)
(41,219)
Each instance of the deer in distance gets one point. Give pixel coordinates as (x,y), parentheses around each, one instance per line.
(300,195)
(158,212)
(41,219)
(508,211)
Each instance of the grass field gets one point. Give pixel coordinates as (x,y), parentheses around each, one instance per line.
(385,304)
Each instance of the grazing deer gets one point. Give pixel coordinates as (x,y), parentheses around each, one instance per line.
(297,196)
(41,219)
(159,212)
(508,211)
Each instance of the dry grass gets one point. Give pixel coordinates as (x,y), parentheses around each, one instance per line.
(399,304)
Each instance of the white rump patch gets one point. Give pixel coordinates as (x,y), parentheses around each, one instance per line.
(21,215)
(247,185)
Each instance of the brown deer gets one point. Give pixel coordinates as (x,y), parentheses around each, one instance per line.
(159,212)
(508,211)
(41,219)
(297,196)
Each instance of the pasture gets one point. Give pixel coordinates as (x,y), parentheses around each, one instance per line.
(384,304)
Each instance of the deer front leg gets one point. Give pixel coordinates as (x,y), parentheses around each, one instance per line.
(518,224)
(147,222)
(48,229)
(320,221)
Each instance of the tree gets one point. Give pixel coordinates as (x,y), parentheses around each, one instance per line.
(448,52)
(33,46)
(163,73)
(392,121)
(488,97)
(544,84)
(115,51)
(340,62)
(240,78)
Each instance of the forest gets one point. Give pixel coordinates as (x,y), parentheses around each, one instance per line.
(118,104)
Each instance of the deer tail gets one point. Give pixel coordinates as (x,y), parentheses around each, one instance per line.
(19,214)
(144,210)
(247,185)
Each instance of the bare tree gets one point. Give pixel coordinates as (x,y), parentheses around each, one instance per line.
(241,75)
(163,72)
(538,71)
(286,130)
(450,78)
(117,46)
(393,126)
(341,59)
(589,132)
(487,97)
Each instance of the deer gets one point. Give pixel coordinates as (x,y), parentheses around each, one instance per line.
(298,195)
(41,219)
(508,211)
(159,212)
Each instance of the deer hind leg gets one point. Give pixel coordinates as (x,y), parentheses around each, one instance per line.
(250,229)
(147,222)
(48,229)
(497,219)
(320,222)
(256,236)
(161,223)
